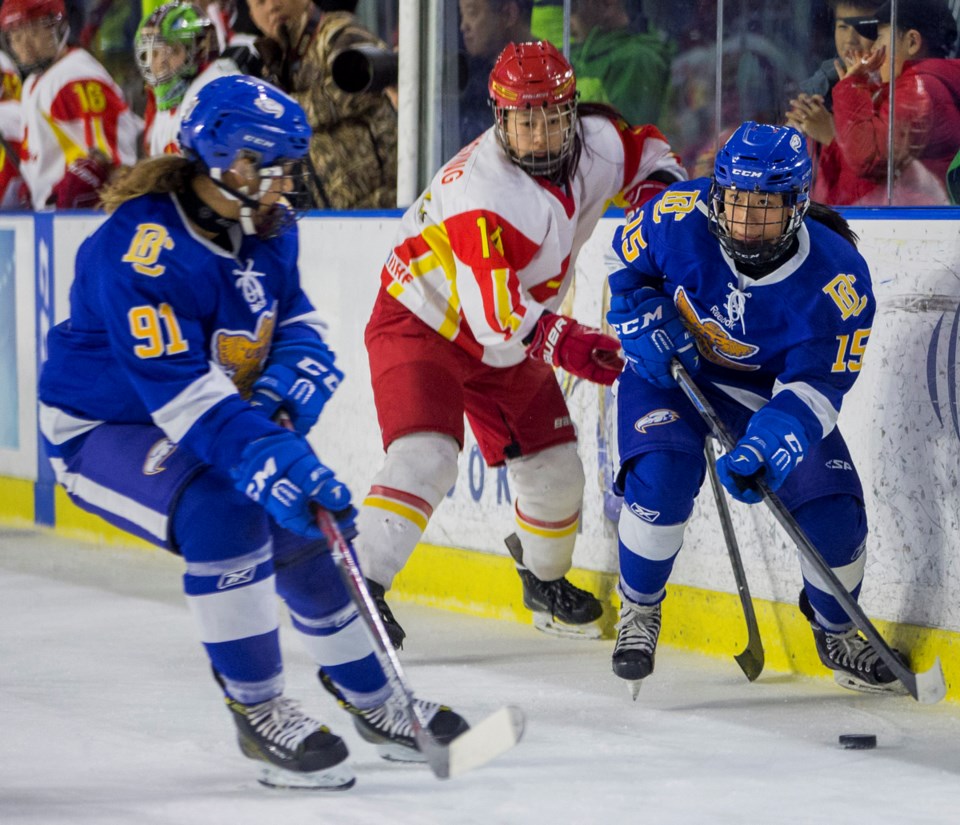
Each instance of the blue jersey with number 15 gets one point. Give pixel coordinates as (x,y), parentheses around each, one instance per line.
(796,335)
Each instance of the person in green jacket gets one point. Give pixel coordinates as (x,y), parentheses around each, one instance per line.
(617,60)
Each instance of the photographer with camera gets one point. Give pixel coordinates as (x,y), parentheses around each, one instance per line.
(354,144)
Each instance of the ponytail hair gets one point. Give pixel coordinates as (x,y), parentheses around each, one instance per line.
(151,176)
(832,219)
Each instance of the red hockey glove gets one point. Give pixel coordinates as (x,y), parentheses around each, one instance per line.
(80,187)
(581,351)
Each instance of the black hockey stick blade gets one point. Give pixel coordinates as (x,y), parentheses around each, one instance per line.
(751,658)
(926,687)
(493,736)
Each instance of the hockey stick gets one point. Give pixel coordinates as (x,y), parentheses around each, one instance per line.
(494,735)
(926,687)
(475,747)
(751,658)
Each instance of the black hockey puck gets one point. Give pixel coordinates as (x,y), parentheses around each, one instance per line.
(858,741)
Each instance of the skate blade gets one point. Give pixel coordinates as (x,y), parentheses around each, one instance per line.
(337,778)
(394,752)
(546,623)
(845,680)
(633,686)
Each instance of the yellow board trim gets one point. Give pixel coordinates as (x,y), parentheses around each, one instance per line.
(704,621)
(486,585)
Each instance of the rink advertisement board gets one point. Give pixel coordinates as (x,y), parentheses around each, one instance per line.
(902,420)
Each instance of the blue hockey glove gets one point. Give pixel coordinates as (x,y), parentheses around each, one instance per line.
(282,473)
(773,445)
(652,333)
(300,377)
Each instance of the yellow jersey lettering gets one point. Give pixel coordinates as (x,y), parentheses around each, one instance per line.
(678,204)
(145,248)
(842,293)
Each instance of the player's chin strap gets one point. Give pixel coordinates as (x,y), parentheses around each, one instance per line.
(267,224)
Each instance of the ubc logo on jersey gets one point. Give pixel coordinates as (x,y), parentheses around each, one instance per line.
(850,302)
(655,418)
(236,577)
(157,454)
(145,248)
(250,287)
(714,342)
(242,354)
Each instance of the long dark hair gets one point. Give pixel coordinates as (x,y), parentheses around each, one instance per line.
(832,219)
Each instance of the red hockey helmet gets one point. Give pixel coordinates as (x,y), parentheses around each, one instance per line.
(536,83)
(15,13)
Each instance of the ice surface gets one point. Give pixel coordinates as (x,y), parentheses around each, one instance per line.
(110,717)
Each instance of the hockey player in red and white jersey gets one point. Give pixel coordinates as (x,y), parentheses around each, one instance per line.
(76,123)
(467,322)
(13,193)
(176,49)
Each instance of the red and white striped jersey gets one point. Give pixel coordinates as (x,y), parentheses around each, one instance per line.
(69,109)
(487,248)
(12,193)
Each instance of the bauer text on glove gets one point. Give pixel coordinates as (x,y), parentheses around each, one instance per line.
(652,334)
(581,351)
(773,446)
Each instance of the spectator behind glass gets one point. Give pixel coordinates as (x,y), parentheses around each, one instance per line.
(79,124)
(617,60)
(953,180)
(354,145)
(632,65)
(486,26)
(926,119)
(811,111)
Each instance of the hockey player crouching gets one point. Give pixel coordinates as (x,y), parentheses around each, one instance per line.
(744,279)
(185,301)
(466,322)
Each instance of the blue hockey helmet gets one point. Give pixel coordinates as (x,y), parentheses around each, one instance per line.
(237,118)
(759,158)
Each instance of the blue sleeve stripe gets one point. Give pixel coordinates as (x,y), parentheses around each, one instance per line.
(810,406)
(178,415)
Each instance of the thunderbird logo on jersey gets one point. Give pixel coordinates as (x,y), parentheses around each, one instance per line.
(242,354)
(655,418)
(714,342)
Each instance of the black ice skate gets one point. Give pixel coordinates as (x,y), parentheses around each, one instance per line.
(387,727)
(295,751)
(855,663)
(394,631)
(559,608)
(637,632)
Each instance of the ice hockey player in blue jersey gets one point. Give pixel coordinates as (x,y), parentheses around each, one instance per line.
(188,332)
(762,296)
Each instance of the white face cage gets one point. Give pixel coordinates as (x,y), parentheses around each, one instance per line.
(540,140)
